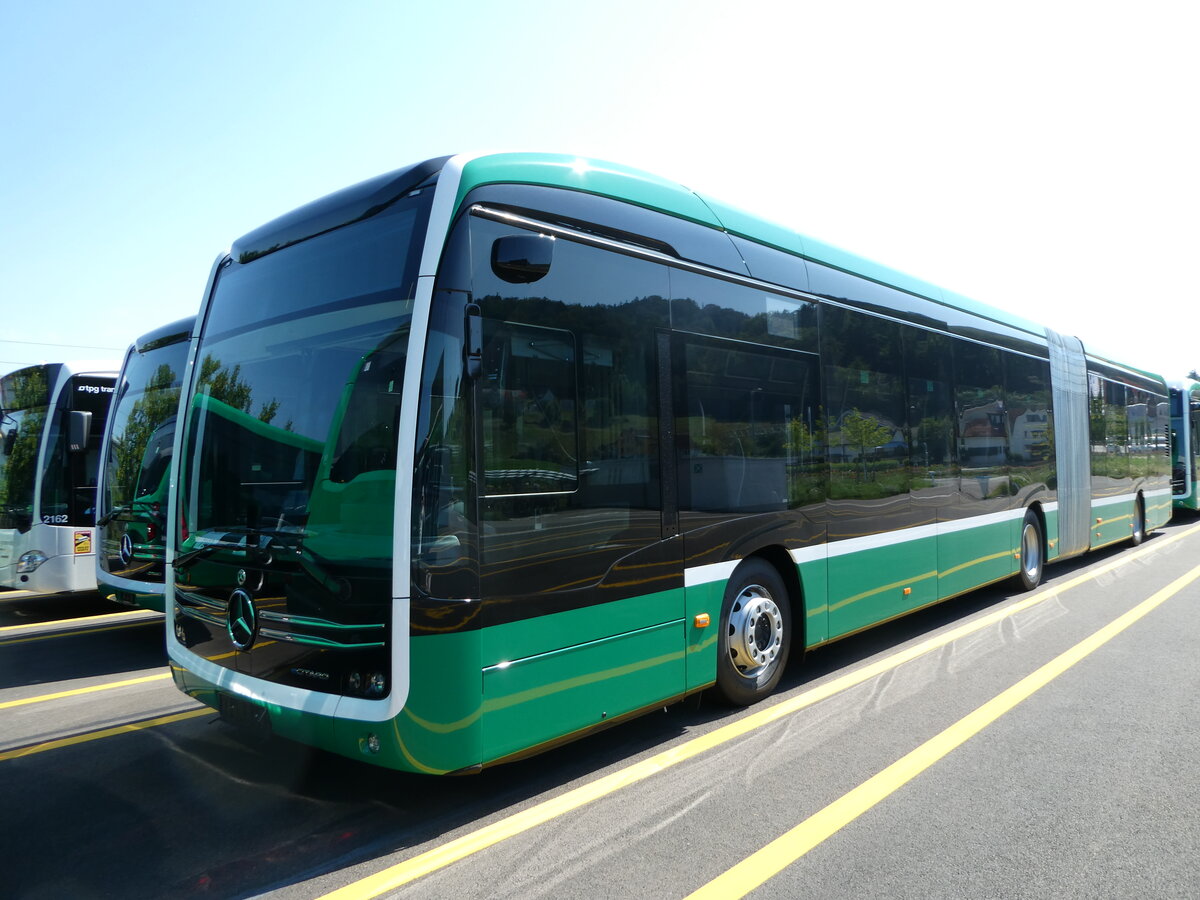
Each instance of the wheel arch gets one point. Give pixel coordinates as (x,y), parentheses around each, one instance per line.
(781,561)
(1038,510)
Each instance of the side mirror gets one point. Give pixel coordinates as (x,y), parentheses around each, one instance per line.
(10,441)
(522,258)
(79,430)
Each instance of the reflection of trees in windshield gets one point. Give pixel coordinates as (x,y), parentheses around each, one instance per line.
(148,413)
(22,424)
(226,384)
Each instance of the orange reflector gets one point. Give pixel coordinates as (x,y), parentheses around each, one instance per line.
(702,620)
(907,591)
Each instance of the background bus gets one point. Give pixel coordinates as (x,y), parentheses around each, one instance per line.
(590,443)
(51,418)
(1185,429)
(135,468)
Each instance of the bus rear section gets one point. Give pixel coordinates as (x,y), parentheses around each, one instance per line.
(1185,445)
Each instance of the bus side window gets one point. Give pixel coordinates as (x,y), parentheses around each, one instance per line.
(528,410)
(568,420)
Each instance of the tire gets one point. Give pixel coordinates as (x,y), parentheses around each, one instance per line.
(1033,551)
(1139,522)
(755,636)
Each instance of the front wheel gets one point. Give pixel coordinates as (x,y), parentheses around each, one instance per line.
(1033,557)
(755,637)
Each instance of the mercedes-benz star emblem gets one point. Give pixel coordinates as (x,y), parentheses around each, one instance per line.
(241,577)
(126,549)
(242,623)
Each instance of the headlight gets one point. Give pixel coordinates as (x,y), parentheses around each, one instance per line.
(376,684)
(30,561)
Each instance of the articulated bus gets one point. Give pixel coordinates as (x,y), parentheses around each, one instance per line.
(135,468)
(51,417)
(1185,444)
(541,443)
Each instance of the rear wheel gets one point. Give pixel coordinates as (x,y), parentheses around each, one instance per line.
(755,637)
(1139,522)
(1033,556)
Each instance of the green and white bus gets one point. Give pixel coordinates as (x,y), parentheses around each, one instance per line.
(541,443)
(51,417)
(135,468)
(1185,444)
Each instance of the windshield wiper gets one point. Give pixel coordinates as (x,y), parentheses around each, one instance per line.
(262,554)
(112,514)
(289,542)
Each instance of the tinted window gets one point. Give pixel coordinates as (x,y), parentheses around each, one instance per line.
(1108,419)
(773,265)
(983,428)
(294,281)
(1030,421)
(750,435)
(529,409)
(927,369)
(710,306)
(865,411)
(568,416)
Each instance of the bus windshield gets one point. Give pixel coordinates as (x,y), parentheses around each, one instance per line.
(24,405)
(138,461)
(292,424)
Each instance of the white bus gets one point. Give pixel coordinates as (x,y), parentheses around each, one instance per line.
(51,419)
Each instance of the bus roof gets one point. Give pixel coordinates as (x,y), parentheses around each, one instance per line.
(172,333)
(617,182)
(633,186)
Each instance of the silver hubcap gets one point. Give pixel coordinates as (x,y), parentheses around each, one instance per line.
(1031,551)
(755,631)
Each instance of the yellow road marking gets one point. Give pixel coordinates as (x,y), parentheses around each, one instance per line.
(783,851)
(73,632)
(106,617)
(440,857)
(85,690)
(5,596)
(20,752)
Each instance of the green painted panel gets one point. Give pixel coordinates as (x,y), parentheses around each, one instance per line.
(438,730)
(536,700)
(531,637)
(1111,522)
(1053,551)
(977,556)
(814,581)
(1158,511)
(702,642)
(869,585)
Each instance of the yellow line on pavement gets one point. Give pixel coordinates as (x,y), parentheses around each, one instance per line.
(75,692)
(440,857)
(106,617)
(20,752)
(783,851)
(6,596)
(73,632)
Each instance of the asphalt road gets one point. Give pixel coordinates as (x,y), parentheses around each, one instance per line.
(1000,745)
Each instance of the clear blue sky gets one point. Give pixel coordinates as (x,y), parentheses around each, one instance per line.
(1041,157)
